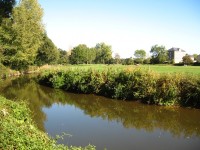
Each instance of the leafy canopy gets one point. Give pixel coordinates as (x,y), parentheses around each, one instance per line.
(22,35)
(159,54)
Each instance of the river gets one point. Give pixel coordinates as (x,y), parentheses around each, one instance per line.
(103,122)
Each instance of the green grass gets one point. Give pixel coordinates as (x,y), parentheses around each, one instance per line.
(173,69)
(19,132)
(163,69)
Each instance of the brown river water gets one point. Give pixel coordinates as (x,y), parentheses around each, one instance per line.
(106,123)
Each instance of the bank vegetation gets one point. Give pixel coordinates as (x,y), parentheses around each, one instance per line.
(128,84)
(18,131)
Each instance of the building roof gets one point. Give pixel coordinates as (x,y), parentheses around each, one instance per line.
(176,49)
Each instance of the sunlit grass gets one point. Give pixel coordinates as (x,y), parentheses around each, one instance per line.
(164,69)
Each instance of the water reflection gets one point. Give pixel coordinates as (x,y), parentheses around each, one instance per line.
(178,121)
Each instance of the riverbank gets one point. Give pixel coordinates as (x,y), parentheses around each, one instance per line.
(6,72)
(128,84)
(19,132)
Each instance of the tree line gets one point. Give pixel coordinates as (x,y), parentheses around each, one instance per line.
(24,42)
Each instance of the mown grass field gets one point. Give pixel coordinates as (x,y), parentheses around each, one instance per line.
(164,69)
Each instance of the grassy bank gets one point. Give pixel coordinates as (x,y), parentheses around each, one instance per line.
(162,69)
(128,84)
(19,132)
(6,72)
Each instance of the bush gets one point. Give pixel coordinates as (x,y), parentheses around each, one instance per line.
(190,92)
(129,84)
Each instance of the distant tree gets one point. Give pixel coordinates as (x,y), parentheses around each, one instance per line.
(187,60)
(138,61)
(6,7)
(128,61)
(47,52)
(79,54)
(63,57)
(147,61)
(22,35)
(140,55)
(172,61)
(117,59)
(91,55)
(195,56)
(159,54)
(103,53)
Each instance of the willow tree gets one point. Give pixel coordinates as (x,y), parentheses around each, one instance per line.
(25,34)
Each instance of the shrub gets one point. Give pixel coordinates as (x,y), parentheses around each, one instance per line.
(129,84)
(190,92)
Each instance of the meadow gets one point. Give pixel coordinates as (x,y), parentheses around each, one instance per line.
(162,69)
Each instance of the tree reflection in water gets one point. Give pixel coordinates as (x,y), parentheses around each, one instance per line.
(178,121)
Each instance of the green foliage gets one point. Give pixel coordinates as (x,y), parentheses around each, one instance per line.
(6,72)
(6,38)
(63,57)
(159,54)
(140,55)
(47,53)
(21,36)
(6,7)
(79,54)
(187,60)
(128,61)
(90,55)
(168,92)
(129,84)
(147,61)
(103,53)
(82,55)
(117,59)
(195,56)
(138,61)
(100,54)
(190,91)
(19,132)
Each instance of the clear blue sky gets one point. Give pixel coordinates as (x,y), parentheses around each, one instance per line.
(126,25)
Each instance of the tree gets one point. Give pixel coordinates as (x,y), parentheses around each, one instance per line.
(128,61)
(140,55)
(6,41)
(79,54)
(103,53)
(187,60)
(47,53)
(63,57)
(91,55)
(195,56)
(159,54)
(6,7)
(147,61)
(1,54)
(22,36)
(117,59)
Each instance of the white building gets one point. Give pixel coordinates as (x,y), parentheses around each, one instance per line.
(176,54)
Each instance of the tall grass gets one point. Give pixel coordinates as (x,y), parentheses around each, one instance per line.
(128,84)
